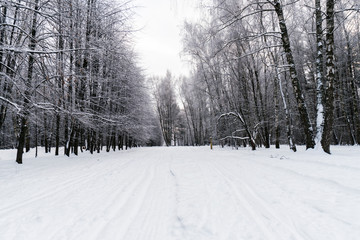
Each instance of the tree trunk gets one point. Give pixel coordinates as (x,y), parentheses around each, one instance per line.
(60,72)
(353,87)
(99,143)
(276,103)
(319,74)
(121,141)
(304,116)
(27,139)
(28,83)
(126,141)
(76,140)
(113,141)
(289,124)
(70,139)
(57,134)
(66,135)
(330,76)
(3,108)
(20,149)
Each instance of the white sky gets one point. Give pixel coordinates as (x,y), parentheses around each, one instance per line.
(158,43)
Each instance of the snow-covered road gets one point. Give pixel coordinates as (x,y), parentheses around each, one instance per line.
(185,193)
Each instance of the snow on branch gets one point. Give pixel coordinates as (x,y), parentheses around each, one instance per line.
(259,123)
(260,49)
(11,103)
(354,8)
(25,50)
(239,130)
(234,114)
(22,6)
(251,37)
(291,3)
(233,137)
(239,17)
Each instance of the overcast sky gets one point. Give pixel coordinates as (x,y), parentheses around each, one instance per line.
(159,42)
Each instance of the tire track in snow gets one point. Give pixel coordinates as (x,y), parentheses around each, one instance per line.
(148,215)
(238,211)
(269,222)
(154,218)
(244,206)
(179,223)
(312,179)
(212,213)
(127,205)
(320,163)
(192,197)
(106,202)
(79,180)
(120,178)
(157,213)
(322,201)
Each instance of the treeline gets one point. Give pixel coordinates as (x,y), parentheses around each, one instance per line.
(279,71)
(69,77)
(273,72)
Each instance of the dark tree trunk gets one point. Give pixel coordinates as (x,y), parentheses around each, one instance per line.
(108,140)
(36,140)
(2,34)
(46,143)
(130,142)
(276,102)
(107,143)
(113,141)
(121,142)
(76,140)
(304,116)
(330,76)
(99,143)
(66,136)
(70,141)
(28,83)
(3,108)
(126,141)
(20,148)
(90,141)
(27,139)
(60,72)
(57,134)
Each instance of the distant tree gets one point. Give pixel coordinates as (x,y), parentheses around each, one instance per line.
(167,108)
(196,112)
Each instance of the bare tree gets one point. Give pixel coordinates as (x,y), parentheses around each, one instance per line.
(71,77)
(167,108)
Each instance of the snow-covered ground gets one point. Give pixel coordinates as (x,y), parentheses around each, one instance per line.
(185,193)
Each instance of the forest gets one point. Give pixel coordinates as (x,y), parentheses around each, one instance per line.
(264,72)
(69,77)
(270,72)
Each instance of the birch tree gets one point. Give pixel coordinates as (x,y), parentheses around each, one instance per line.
(330,76)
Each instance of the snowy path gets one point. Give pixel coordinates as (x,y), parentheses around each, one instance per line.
(185,193)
